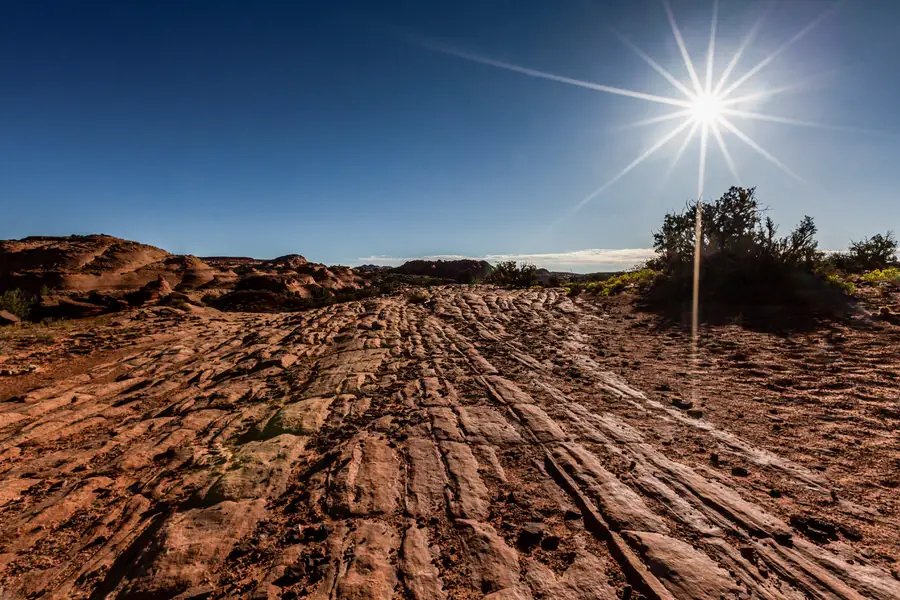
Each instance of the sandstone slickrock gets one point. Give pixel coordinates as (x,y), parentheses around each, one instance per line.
(388,449)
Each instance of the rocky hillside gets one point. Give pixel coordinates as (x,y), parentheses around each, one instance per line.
(93,263)
(76,275)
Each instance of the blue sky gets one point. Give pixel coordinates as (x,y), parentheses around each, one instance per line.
(337,131)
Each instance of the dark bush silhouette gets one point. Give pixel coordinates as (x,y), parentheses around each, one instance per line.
(513,274)
(876,252)
(746,268)
(734,234)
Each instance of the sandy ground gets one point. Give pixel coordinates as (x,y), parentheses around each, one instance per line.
(485,444)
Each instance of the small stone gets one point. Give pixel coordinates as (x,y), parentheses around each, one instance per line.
(775,493)
(572,515)
(626,592)
(739,471)
(695,413)
(682,403)
(714,458)
(7,318)
(530,535)
(550,542)
(850,532)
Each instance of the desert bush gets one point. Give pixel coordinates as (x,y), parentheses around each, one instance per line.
(733,232)
(890,274)
(636,280)
(743,260)
(876,252)
(843,284)
(513,274)
(416,296)
(17,302)
(873,253)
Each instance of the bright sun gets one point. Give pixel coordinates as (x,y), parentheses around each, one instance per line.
(707,108)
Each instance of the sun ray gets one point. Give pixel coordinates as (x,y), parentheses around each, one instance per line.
(561,79)
(762,64)
(746,114)
(655,66)
(746,139)
(681,149)
(711,50)
(768,93)
(701,179)
(761,95)
(684,53)
(725,153)
(740,51)
(659,144)
(658,119)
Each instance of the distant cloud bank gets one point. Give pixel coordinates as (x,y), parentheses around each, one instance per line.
(577,259)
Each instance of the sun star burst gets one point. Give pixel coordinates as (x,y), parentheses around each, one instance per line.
(705,106)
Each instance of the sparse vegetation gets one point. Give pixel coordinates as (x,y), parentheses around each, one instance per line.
(734,238)
(17,302)
(890,275)
(748,269)
(636,280)
(875,253)
(843,284)
(744,263)
(509,273)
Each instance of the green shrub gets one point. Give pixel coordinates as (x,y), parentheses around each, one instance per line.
(891,274)
(17,302)
(574,288)
(835,280)
(637,280)
(513,274)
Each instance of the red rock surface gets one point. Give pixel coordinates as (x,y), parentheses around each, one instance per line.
(487,444)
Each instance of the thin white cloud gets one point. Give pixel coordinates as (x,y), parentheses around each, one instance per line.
(622,257)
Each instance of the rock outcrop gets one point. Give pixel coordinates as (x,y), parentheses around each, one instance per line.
(460,271)
(76,275)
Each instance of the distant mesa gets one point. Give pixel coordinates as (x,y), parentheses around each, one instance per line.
(374,268)
(461,271)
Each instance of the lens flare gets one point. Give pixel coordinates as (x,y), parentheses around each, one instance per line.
(707,108)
